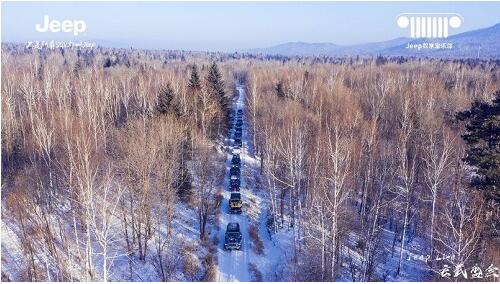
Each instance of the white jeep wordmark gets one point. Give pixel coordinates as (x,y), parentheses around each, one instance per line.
(66,26)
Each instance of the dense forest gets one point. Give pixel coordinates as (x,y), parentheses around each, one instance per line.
(97,150)
(351,151)
(113,163)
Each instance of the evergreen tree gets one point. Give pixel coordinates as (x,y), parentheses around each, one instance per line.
(107,63)
(482,124)
(381,60)
(165,99)
(194,81)
(280,90)
(215,86)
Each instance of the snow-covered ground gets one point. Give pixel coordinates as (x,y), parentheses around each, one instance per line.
(185,236)
(414,266)
(11,250)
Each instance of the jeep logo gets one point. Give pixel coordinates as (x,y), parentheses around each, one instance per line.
(66,26)
(429,25)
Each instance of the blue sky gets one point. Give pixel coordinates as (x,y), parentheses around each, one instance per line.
(230,26)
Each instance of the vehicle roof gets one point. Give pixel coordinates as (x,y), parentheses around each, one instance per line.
(233,227)
(235,195)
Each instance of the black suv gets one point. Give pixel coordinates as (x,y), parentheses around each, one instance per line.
(236,160)
(235,186)
(235,183)
(235,171)
(237,142)
(235,203)
(232,238)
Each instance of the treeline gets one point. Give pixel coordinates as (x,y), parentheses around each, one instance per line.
(364,161)
(98,149)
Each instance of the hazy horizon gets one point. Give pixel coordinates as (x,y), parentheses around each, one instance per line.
(231,26)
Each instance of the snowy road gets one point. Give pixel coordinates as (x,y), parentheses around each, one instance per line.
(233,265)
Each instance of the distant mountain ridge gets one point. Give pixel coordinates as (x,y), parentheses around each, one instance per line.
(482,43)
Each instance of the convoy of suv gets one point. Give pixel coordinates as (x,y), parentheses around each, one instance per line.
(233,235)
